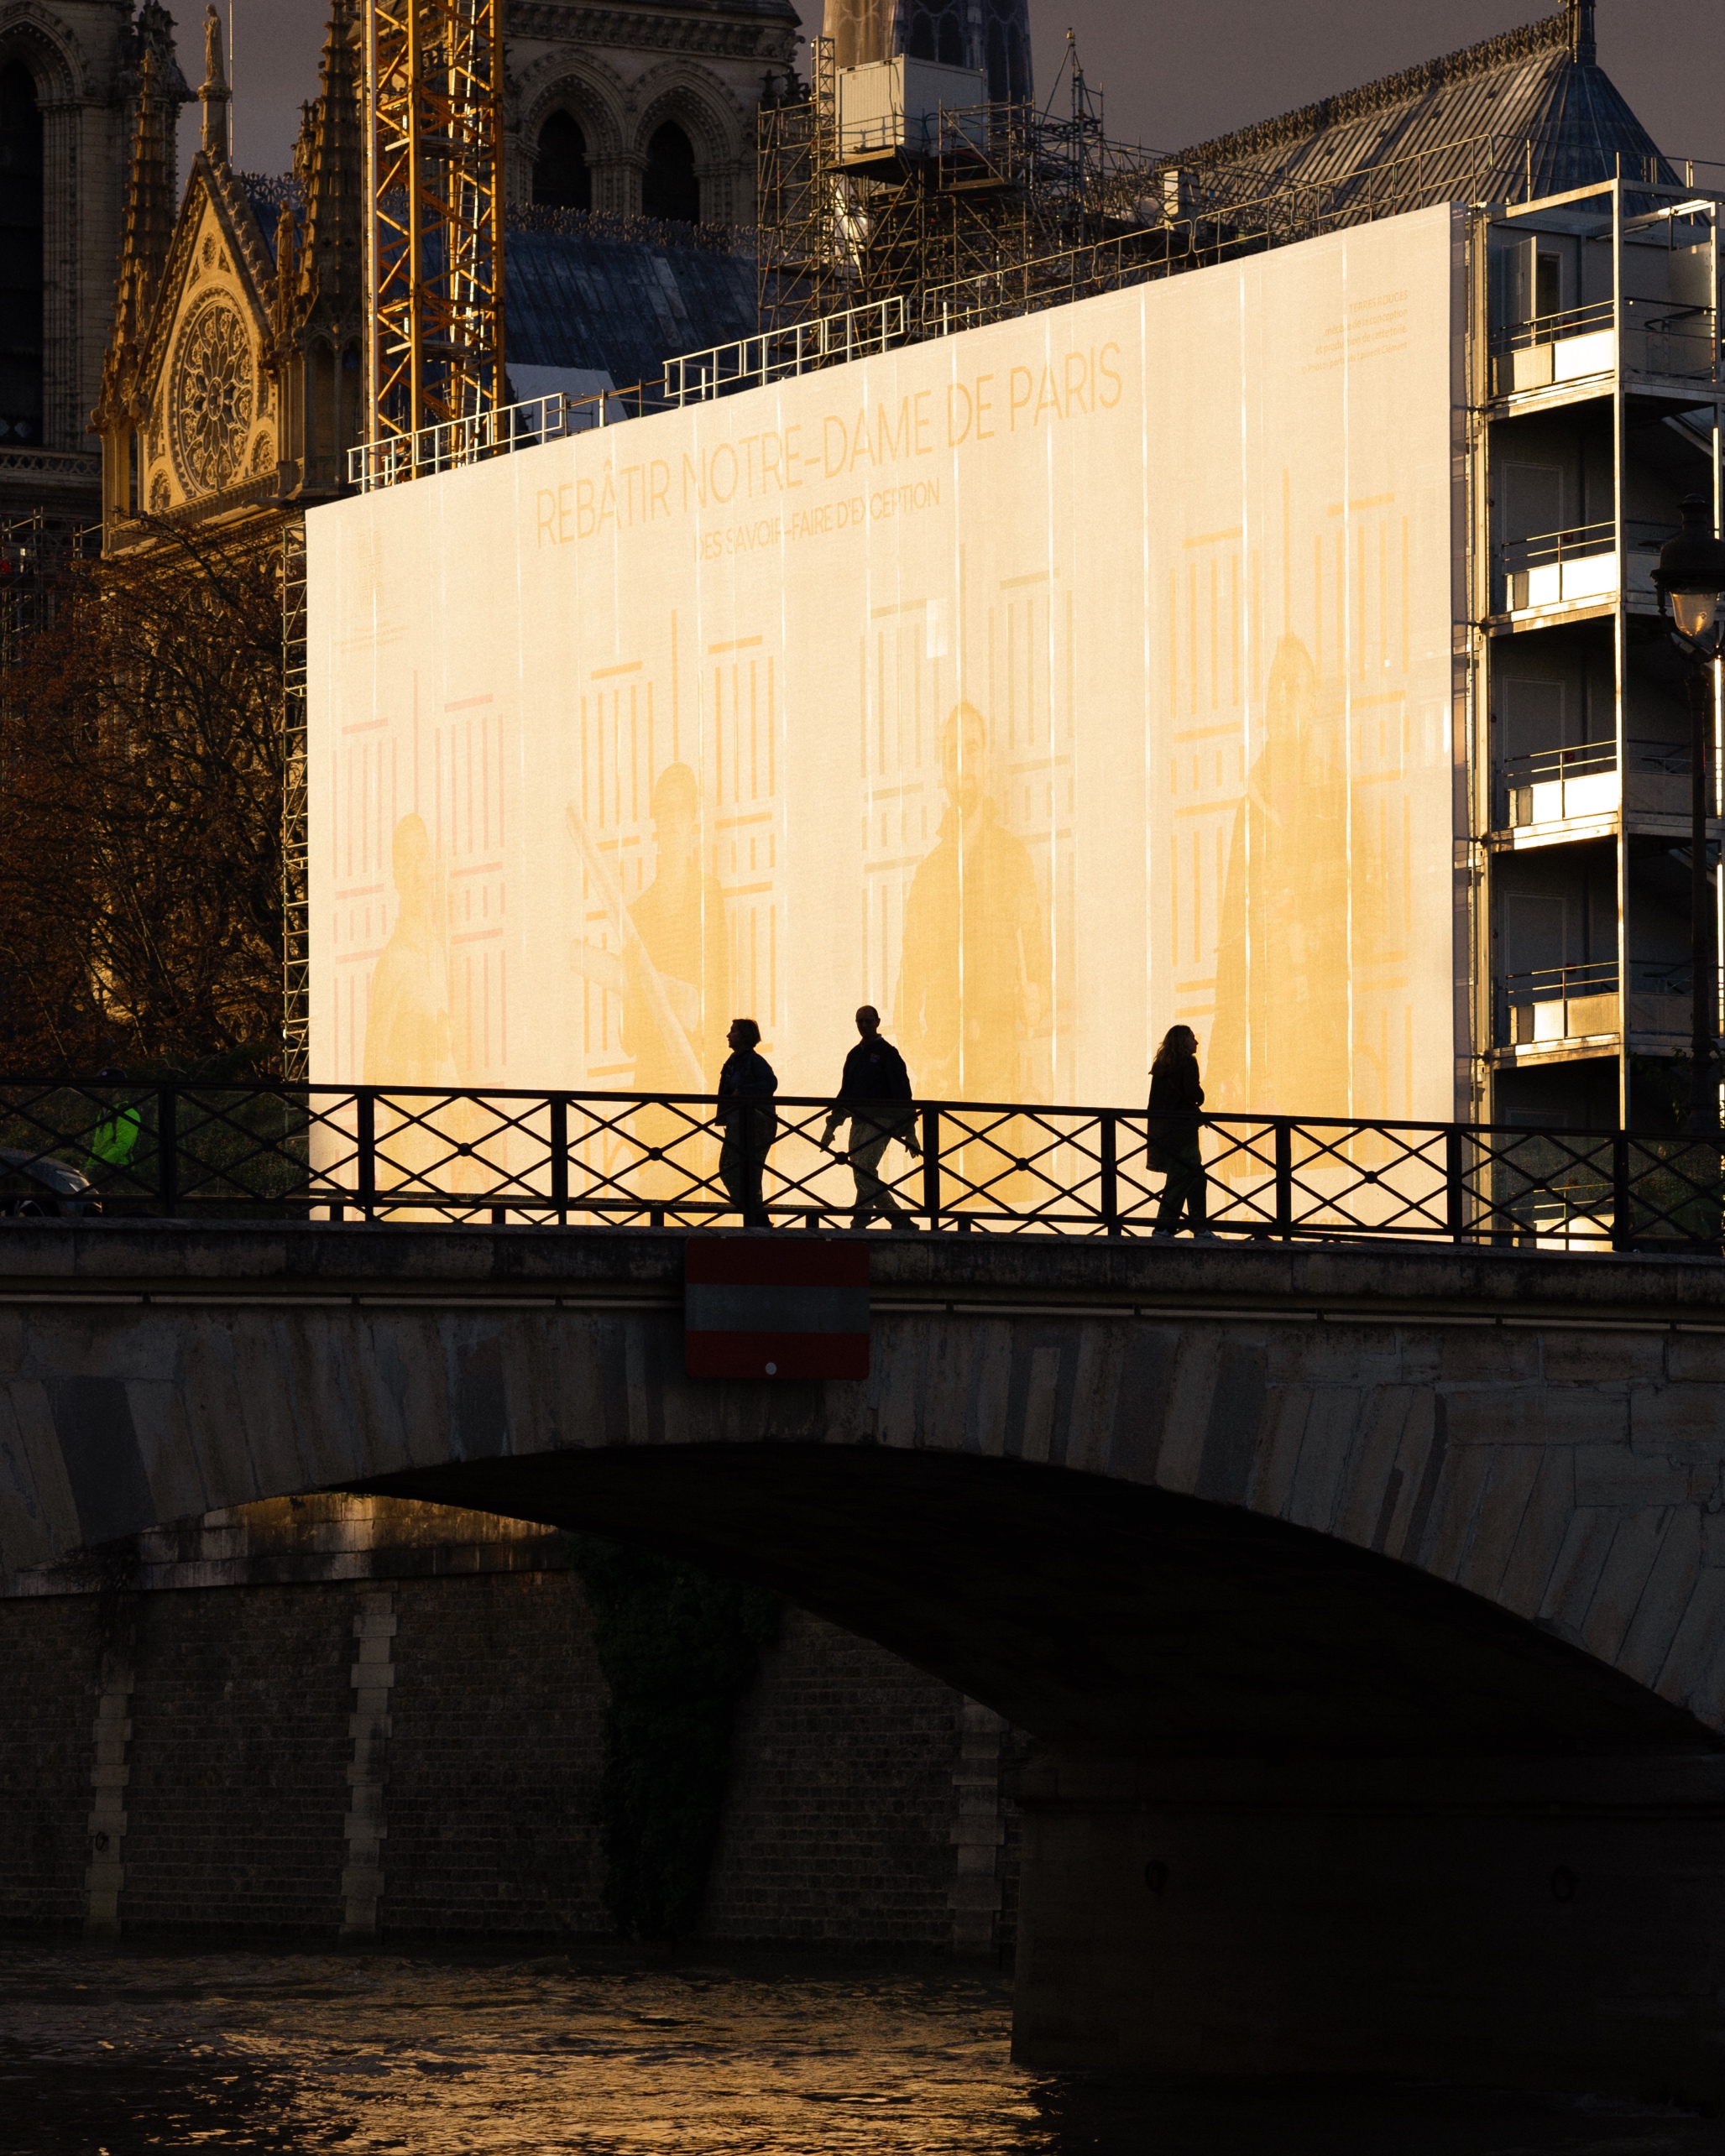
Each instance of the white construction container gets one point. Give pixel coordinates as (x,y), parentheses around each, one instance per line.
(891,107)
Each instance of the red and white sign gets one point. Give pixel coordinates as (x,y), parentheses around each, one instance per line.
(794,1307)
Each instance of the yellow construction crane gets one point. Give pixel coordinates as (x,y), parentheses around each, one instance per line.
(434,246)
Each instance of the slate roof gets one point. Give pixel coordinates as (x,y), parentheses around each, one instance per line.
(1473,126)
(581,289)
(626,306)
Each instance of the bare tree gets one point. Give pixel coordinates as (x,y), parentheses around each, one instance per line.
(141,770)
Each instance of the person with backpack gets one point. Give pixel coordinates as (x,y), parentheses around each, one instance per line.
(1171,1145)
(874,1096)
(749,1120)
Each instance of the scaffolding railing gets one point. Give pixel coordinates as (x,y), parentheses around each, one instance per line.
(1010,210)
(748,363)
(1009,213)
(448,443)
(691,378)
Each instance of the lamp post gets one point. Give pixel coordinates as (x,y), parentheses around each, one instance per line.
(1691,582)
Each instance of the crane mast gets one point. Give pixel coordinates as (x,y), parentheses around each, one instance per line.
(434,234)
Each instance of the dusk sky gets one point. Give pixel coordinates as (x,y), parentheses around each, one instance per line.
(1171,74)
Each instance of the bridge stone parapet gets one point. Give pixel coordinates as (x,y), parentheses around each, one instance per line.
(1248,1537)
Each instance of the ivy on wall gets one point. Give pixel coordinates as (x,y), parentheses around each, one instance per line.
(678,1647)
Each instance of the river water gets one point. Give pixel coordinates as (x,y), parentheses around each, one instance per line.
(129,2049)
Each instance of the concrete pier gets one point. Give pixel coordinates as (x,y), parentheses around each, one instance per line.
(1536,1923)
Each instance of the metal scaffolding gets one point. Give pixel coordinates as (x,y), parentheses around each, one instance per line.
(997,209)
(296,844)
(434,80)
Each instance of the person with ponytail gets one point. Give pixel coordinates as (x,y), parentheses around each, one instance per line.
(1171,1145)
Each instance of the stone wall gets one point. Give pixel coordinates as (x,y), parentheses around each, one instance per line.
(236,1763)
(495,1753)
(49,1656)
(358,1717)
(842,1809)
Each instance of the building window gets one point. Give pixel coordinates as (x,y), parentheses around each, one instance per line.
(993,37)
(20,257)
(1008,56)
(936,31)
(560,172)
(669,187)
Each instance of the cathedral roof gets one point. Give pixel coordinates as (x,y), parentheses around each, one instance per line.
(584,291)
(1532,106)
(623,305)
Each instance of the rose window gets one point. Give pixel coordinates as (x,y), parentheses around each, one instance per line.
(212,398)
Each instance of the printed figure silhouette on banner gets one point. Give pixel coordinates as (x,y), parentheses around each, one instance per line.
(681,934)
(974,970)
(975,973)
(407,1028)
(1279,1044)
(671,970)
(407,1035)
(672,973)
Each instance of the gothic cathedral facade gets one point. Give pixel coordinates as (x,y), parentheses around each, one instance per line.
(218,332)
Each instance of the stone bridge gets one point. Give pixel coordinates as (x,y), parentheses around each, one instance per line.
(1370,1603)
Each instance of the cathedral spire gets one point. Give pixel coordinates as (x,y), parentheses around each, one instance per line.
(335,208)
(1582,43)
(150,212)
(215,95)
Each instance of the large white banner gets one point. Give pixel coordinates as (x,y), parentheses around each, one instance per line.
(1043,685)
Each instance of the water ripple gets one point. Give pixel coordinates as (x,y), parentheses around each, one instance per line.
(425,2054)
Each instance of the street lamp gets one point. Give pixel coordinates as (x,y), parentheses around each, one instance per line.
(1690,582)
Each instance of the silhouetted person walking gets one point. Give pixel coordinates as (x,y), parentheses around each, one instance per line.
(1171,1145)
(874,1093)
(750,1123)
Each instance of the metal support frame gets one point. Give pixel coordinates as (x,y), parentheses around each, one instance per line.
(1002,213)
(295,845)
(1617,533)
(1703,985)
(1009,209)
(434,74)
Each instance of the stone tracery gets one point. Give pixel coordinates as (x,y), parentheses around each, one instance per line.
(214,398)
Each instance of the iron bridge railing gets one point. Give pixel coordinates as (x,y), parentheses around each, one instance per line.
(297,1152)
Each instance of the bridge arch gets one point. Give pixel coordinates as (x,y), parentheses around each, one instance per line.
(1362,1501)
(1371,1604)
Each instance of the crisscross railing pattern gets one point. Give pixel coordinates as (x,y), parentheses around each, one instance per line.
(297,1152)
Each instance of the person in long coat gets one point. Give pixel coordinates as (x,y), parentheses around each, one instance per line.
(1171,1144)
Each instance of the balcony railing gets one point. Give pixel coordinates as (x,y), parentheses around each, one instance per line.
(1557,785)
(1553,784)
(1549,1004)
(1574,1003)
(1660,1001)
(1550,328)
(1659,336)
(408,1154)
(1555,568)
